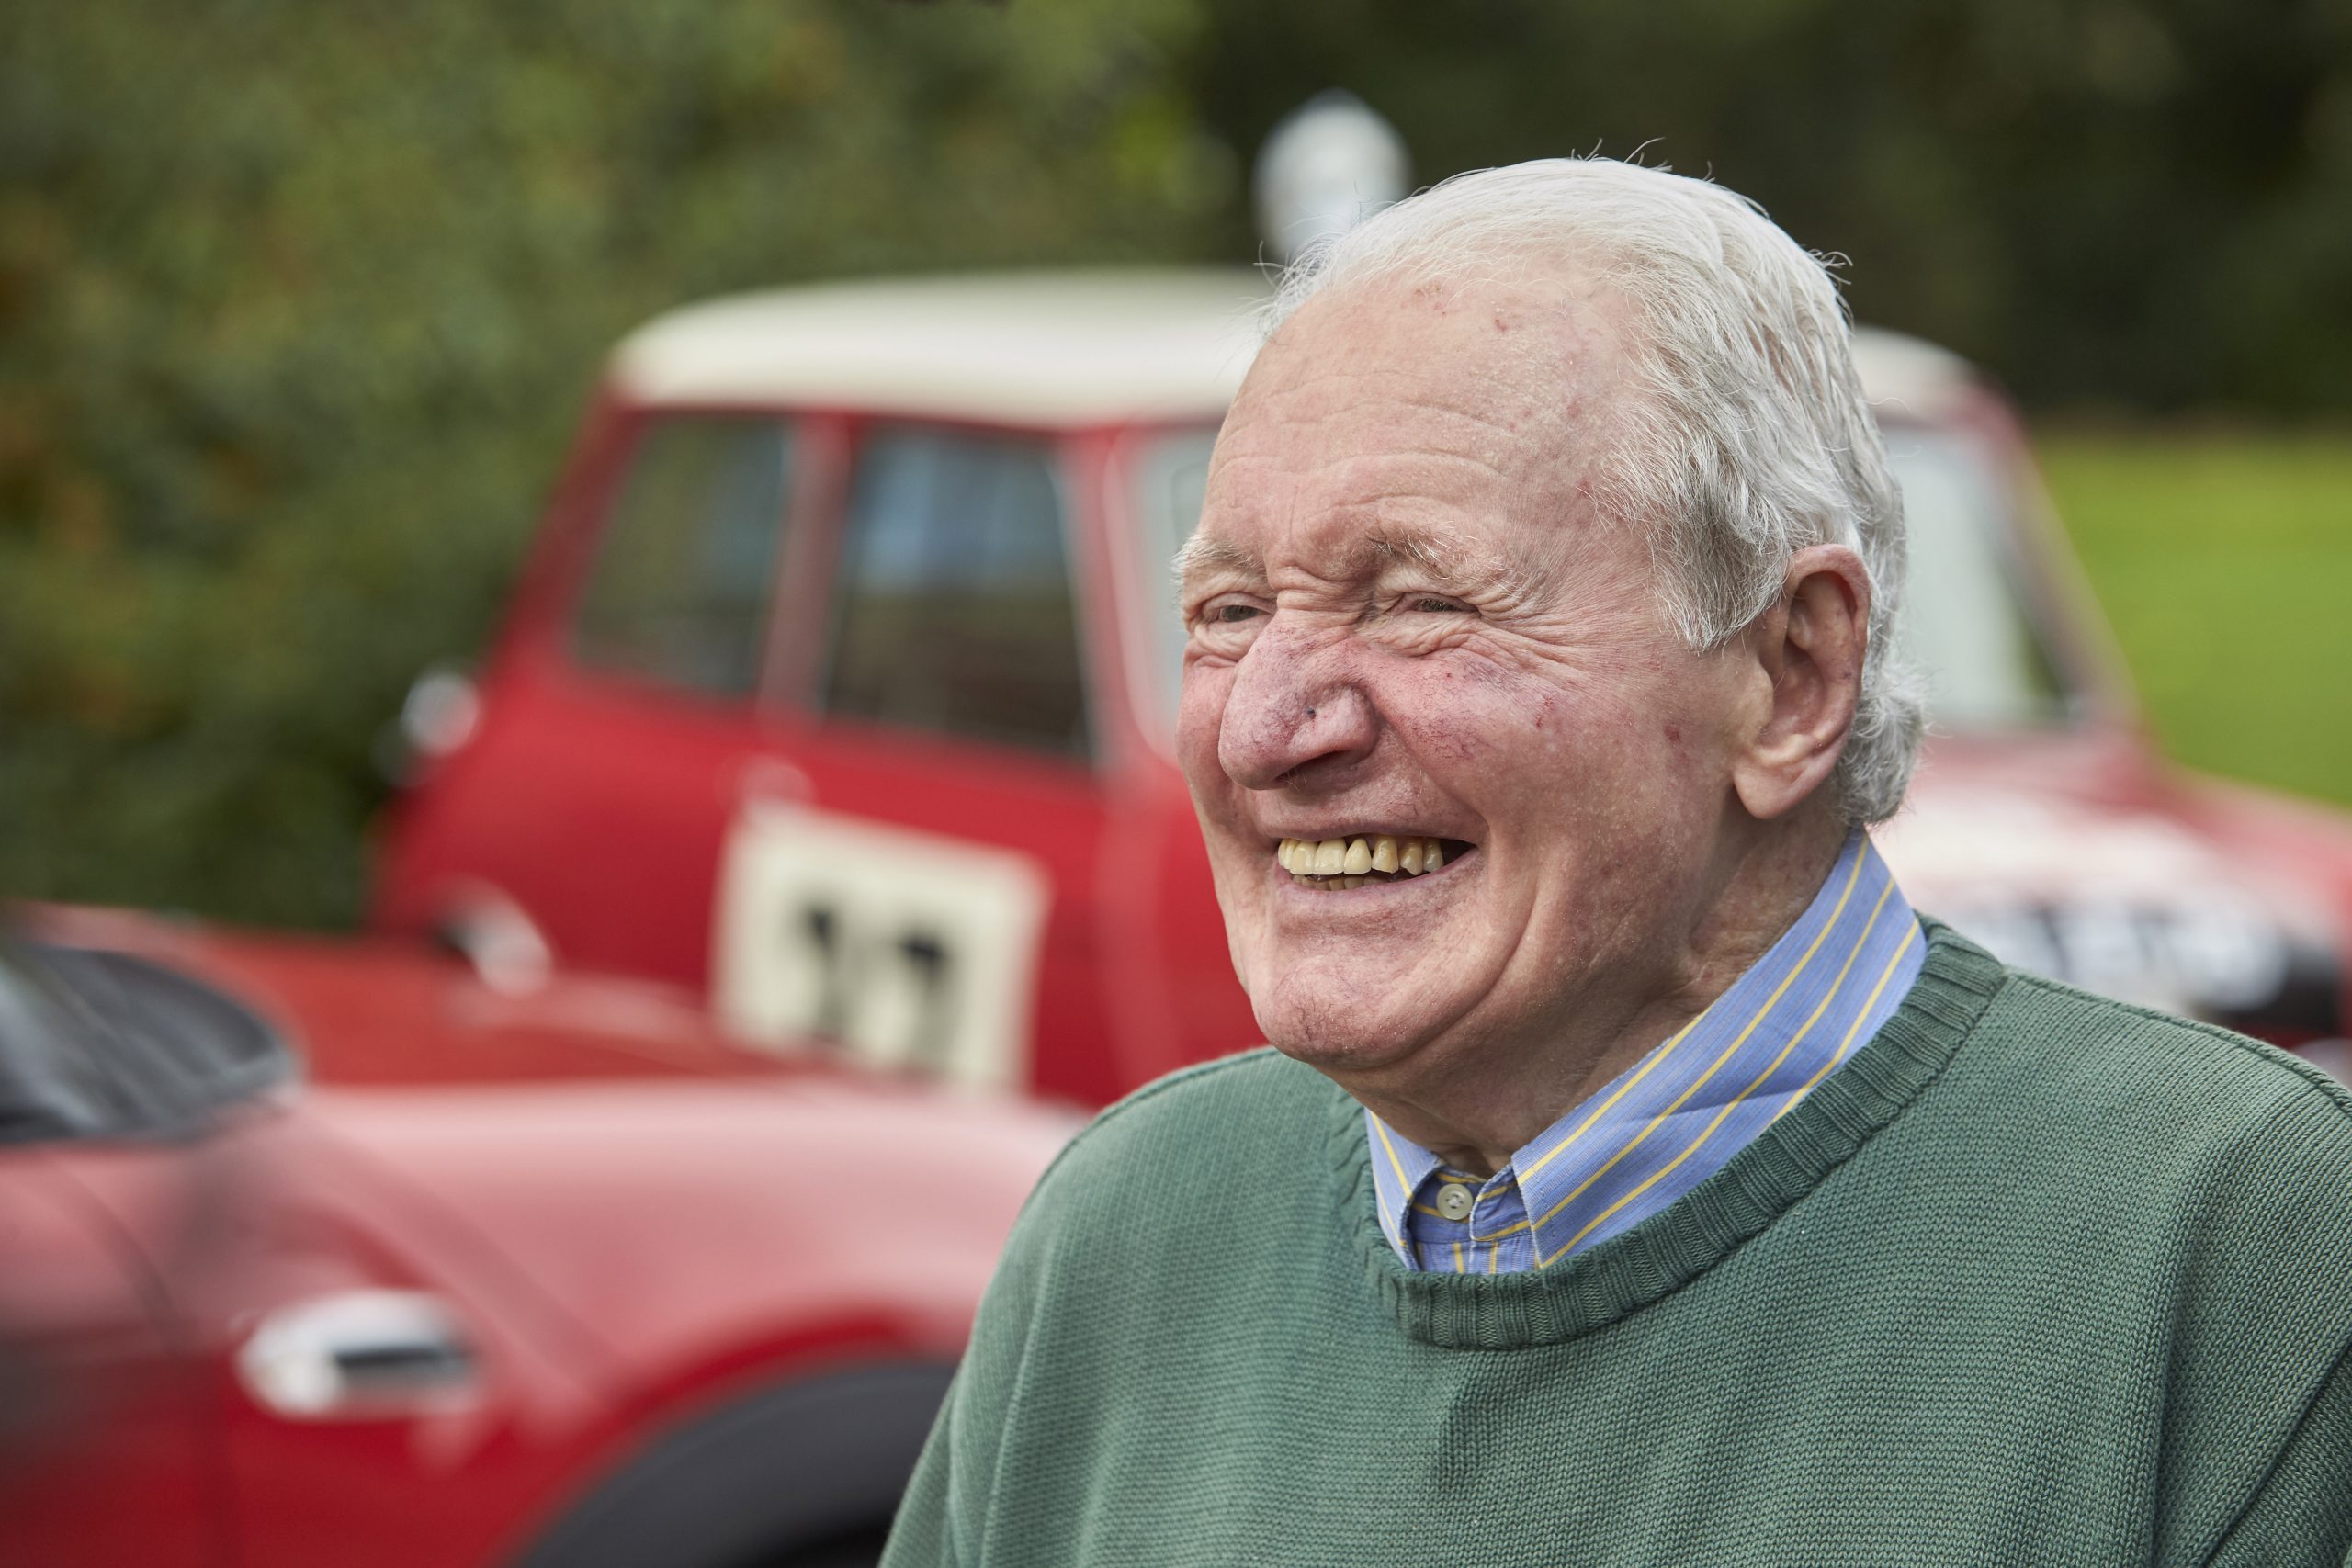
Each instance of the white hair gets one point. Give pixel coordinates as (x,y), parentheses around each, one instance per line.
(1751,439)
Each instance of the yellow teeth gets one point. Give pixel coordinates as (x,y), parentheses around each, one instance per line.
(1351,863)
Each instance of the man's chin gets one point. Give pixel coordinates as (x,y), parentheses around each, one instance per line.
(1341,1032)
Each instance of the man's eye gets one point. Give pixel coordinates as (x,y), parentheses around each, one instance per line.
(1432,604)
(1228,613)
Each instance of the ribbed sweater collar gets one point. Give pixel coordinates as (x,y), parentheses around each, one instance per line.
(1594,1288)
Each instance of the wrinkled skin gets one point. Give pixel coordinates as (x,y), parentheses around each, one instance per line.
(1406,615)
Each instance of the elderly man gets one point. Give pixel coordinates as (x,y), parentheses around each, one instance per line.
(1633,1177)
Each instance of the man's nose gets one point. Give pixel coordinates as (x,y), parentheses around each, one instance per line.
(1293,712)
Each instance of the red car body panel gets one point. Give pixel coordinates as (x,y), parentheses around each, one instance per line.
(635,1223)
(106,1450)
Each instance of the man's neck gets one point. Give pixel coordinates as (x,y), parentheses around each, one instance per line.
(1475,1104)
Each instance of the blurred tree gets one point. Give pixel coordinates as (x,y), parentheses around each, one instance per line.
(297,303)
(2140,203)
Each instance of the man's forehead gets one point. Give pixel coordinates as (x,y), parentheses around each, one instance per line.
(1398,384)
(1480,351)
(1445,429)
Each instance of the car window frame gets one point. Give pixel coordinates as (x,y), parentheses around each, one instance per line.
(812,477)
(2045,577)
(787,706)
(809,601)
(2016,559)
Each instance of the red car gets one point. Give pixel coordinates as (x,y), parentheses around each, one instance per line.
(321,1254)
(840,690)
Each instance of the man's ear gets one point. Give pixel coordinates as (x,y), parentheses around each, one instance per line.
(1808,649)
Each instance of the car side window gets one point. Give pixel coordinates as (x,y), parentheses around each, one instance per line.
(680,589)
(954,611)
(94,1042)
(50,1086)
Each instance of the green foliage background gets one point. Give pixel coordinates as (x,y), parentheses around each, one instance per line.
(2223,561)
(298,302)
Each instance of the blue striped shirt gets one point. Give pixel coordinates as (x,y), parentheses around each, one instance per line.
(1673,1118)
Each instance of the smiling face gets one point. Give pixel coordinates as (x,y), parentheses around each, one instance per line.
(1406,619)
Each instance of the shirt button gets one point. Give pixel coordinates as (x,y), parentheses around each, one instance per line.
(1453,1201)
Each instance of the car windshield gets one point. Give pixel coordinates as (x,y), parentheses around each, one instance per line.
(52,1083)
(1967,622)
(94,1042)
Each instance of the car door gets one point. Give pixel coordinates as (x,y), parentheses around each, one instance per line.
(621,721)
(103,1436)
(804,720)
(229,1335)
(920,884)
(105,1440)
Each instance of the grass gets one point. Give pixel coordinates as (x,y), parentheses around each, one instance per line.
(2224,562)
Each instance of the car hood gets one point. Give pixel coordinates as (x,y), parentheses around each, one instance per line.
(684,1218)
(680,1199)
(2089,861)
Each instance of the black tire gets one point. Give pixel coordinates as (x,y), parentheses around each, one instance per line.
(861,1550)
(802,1477)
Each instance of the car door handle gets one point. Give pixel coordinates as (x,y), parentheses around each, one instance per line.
(363,1353)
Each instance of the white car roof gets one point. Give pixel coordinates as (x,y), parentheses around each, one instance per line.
(1043,348)
(1052,349)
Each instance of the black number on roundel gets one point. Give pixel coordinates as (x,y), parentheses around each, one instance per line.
(934,1034)
(852,962)
(821,926)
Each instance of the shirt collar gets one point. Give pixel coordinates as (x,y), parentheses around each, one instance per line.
(1675,1116)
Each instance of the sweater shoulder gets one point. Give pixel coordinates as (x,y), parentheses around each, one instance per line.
(2203,1057)
(1192,1134)
(2125,1073)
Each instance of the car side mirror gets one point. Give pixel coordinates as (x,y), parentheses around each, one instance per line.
(439,715)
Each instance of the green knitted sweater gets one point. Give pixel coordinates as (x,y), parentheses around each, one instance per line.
(2034,1278)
